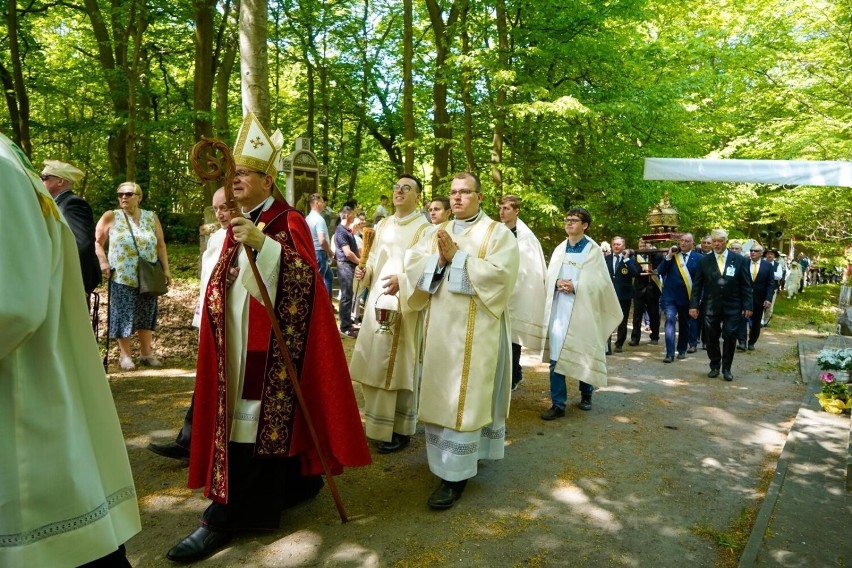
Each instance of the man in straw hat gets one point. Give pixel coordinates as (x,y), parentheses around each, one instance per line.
(59,178)
(386,364)
(251,449)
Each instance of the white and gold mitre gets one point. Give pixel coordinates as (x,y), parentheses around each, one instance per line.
(255,149)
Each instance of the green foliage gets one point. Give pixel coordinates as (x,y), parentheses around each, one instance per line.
(590,90)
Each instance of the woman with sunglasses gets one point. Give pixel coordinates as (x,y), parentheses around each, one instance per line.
(130,312)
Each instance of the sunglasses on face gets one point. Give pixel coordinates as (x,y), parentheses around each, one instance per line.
(127,194)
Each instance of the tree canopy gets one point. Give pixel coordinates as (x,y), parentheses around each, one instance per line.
(555,101)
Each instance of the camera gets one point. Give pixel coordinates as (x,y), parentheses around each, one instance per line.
(675,249)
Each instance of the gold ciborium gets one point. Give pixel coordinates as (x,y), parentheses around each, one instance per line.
(386,317)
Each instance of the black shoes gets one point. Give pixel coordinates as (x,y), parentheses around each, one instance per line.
(585,401)
(553,413)
(633,343)
(713,373)
(668,359)
(618,349)
(200,544)
(654,342)
(751,346)
(691,349)
(351,332)
(398,442)
(727,375)
(516,385)
(681,355)
(170,450)
(447,494)
(741,346)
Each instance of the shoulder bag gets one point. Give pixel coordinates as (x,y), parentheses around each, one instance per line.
(152,277)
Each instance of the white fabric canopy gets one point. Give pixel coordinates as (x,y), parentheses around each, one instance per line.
(790,172)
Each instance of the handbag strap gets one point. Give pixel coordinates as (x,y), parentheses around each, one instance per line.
(130,226)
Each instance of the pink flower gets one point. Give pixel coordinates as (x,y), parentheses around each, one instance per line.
(827,377)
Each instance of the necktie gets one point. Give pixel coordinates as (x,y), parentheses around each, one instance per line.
(720,260)
(685,256)
(754,266)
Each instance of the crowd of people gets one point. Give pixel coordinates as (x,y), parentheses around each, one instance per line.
(453,298)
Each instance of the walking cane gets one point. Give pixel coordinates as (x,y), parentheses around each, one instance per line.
(96,305)
(109,305)
(215,173)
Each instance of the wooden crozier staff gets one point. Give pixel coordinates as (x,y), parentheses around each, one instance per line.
(210,146)
(367,237)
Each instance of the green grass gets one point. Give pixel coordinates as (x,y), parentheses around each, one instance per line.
(815,307)
(184,261)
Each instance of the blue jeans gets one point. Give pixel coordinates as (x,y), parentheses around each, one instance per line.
(679,314)
(324,269)
(559,390)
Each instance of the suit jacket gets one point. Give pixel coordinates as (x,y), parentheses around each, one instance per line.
(79,215)
(763,287)
(642,282)
(622,272)
(674,288)
(727,293)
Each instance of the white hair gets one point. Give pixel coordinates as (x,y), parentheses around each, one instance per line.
(719,234)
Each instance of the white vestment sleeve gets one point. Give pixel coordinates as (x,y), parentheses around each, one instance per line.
(428,282)
(458,279)
(268,262)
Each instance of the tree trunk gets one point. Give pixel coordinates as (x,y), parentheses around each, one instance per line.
(467,103)
(223,83)
(21,128)
(441,128)
(500,101)
(409,131)
(205,68)
(254,63)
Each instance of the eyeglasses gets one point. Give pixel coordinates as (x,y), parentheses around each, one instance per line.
(127,194)
(46,177)
(245,173)
(404,188)
(462,192)
(572,220)
(756,250)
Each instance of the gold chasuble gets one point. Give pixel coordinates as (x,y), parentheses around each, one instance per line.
(466,328)
(387,361)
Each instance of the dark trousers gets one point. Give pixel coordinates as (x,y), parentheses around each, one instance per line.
(116,559)
(345,276)
(184,437)
(726,327)
(647,301)
(622,327)
(517,373)
(258,491)
(751,326)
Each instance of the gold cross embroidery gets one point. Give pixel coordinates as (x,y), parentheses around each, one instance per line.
(257,142)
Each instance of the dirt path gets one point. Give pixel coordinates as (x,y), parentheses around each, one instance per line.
(663,464)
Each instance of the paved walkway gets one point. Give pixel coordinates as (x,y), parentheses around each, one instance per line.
(807,514)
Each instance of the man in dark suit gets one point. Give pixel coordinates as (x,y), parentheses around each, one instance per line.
(763,288)
(622,270)
(723,283)
(58,178)
(678,270)
(647,289)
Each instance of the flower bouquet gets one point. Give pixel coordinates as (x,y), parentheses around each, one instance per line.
(834,397)
(835,359)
